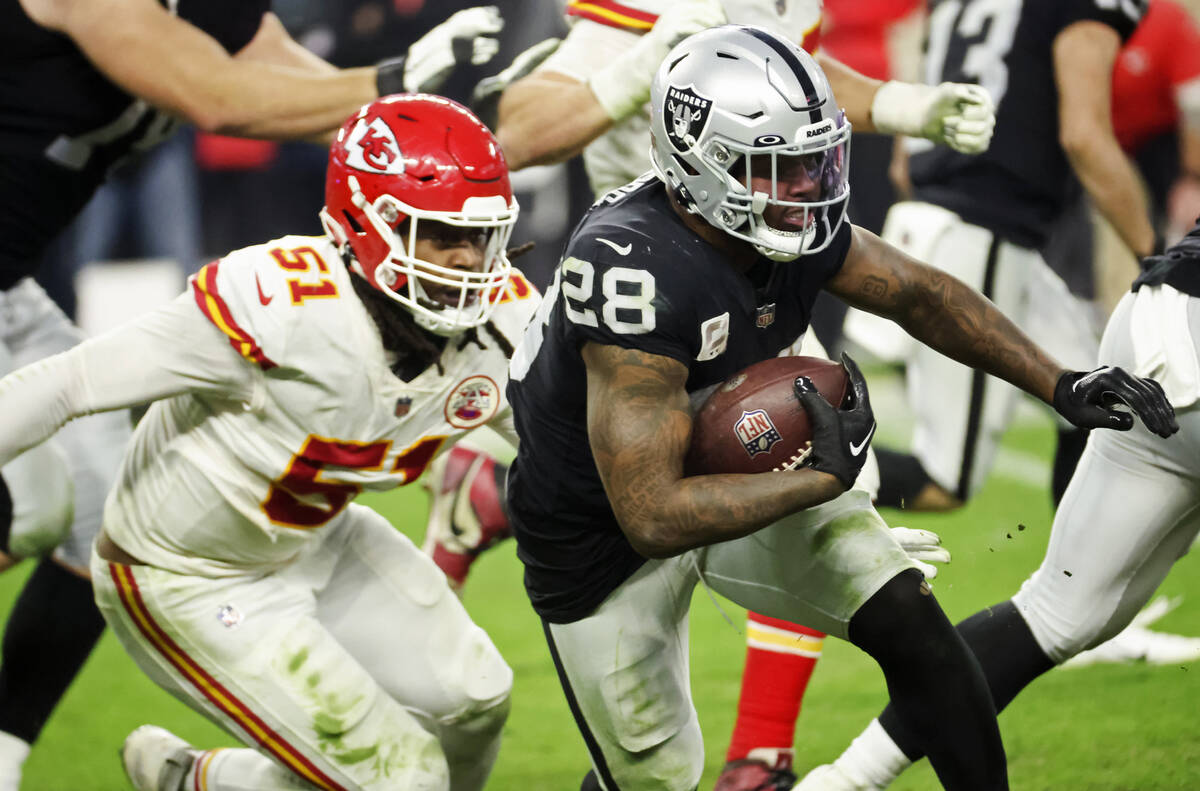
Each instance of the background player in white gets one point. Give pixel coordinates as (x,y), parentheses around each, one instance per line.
(1130,511)
(660,293)
(87,84)
(233,565)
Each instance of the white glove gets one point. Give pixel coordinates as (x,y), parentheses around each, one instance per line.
(960,115)
(470,33)
(923,548)
(623,86)
(485,98)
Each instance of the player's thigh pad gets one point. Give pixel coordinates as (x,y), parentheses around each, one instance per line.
(93,446)
(626,665)
(1131,509)
(249,653)
(388,604)
(815,567)
(960,413)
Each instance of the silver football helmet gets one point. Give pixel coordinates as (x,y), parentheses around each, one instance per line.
(746,131)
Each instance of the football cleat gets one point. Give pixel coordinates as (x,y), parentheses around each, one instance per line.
(1137,643)
(466,516)
(753,773)
(156,759)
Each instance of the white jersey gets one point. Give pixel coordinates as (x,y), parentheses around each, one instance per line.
(282,407)
(602,30)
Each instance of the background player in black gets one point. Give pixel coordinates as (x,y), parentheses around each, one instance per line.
(667,288)
(88,83)
(1049,66)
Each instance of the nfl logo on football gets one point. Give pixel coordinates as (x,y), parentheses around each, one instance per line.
(756,432)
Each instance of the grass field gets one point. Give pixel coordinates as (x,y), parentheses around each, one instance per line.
(1105,728)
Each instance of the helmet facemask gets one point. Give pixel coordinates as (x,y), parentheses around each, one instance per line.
(747,133)
(417,196)
(444,300)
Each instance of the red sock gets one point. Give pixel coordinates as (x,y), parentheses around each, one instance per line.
(780,657)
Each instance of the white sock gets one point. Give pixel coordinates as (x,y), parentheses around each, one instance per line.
(241,769)
(872,760)
(13,752)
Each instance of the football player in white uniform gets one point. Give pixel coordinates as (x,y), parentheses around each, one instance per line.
(1130,511)
(591,95)
(88,84)
(233,565)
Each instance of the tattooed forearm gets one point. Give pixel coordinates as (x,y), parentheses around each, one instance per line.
(957,321)
(942,312)
(639,428)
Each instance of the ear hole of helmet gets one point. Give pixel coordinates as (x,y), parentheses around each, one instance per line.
(353,223)
(684,166)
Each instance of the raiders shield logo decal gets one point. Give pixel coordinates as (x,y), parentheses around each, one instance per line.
(686,114)
(372,147)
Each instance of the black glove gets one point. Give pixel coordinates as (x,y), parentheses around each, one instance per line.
(840,436)
(1088,400)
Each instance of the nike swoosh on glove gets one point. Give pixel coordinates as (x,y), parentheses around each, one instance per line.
(840,436)
(1093,399)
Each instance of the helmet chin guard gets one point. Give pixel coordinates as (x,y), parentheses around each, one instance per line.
(745,129)
(400,166)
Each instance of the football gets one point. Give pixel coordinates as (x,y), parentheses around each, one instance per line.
(753,422)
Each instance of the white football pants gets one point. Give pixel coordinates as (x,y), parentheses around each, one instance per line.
(625,666)
(355,667)
(1131,510)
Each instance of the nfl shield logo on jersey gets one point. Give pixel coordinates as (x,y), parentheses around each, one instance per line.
(687,112)
(764,316)
(403,404)
(757,433)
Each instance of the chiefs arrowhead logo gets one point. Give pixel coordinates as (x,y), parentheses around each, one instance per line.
(372,147)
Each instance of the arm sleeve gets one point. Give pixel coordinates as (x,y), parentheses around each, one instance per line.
(169,351)
(1121,16)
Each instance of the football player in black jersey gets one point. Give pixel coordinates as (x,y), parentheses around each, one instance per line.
(984,218)
(670,286)
(86,84)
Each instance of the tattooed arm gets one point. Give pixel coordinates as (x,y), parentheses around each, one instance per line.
(942,312)
(639,428)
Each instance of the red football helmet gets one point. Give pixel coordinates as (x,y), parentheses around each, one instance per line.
(414,157)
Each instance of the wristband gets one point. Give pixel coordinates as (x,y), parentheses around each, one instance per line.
(389,75)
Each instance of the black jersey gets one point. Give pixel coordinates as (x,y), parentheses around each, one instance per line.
(1020,184)
(1178,267)
(633,275)
(64,125)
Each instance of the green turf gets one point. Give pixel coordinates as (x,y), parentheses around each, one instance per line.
(1107,728)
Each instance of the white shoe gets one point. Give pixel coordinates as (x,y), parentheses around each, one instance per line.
(1136,643)
(156,759)
(827,777)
